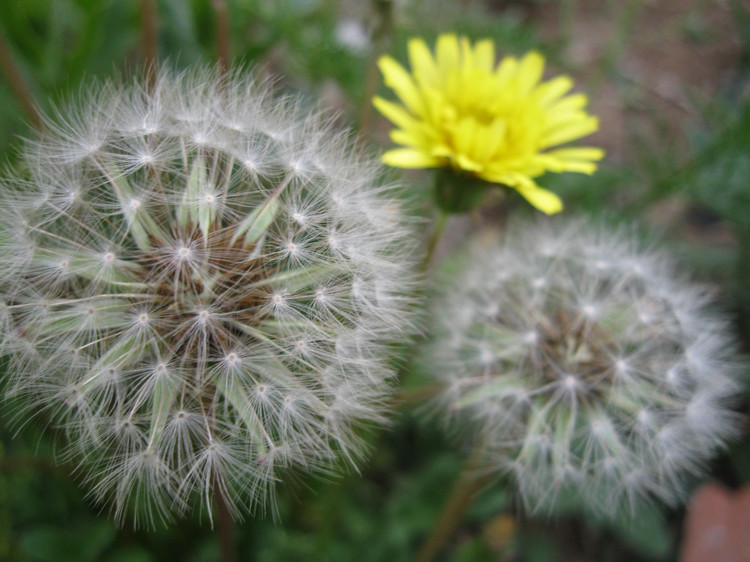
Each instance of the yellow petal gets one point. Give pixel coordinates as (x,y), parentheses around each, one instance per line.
(408,138)
(577,153)
(576,159)
(422,64)
(467,54)
(395,113)
(410,158)
(442,151)
(554,89)
(544,200)
(530,72)
(569,104)
(494,139)
(447,52)
(484,55)
(396,77)
(551,164)
(464,135)
(505,70)
(575,129)
(466,163)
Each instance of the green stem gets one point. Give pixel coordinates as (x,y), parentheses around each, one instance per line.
(223,38)
(456,192)
(383,18)
(467,487)
(743,274)
(437,234)
(406,398)
(150,39)
(225,525)
(17,83)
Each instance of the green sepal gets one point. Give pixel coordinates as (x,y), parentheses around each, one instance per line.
(459,192)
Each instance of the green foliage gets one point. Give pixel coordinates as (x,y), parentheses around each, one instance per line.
(51,543)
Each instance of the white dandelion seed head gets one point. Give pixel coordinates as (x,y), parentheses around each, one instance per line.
(606,394)
(189,317)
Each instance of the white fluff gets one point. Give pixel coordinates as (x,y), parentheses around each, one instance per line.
(171,294)
(580,361)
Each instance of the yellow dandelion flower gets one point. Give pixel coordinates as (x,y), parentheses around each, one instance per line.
(500,123)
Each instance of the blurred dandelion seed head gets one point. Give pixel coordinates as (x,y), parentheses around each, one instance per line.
(198,285)
(580,363)
(501,123)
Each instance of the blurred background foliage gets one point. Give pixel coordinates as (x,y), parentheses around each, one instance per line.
(670,81)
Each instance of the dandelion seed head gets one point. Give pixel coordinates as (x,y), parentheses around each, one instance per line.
(582,395)
(172,297)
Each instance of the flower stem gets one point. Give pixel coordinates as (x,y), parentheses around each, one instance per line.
(743,273)
(406,398)
(383,18)
(223,38)
(150,39)
(225,524)
(467,487)
(14,77)
(437,233)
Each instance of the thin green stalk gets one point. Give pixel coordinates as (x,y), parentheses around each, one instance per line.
(225,524)
(743,274)
(150,39)
(468,486)
(17,83)
(383,18)
(223,35)
(437,234)
(405,398)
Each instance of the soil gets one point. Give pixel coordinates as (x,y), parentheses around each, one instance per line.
(650,64)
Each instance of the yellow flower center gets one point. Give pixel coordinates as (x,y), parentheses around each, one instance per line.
(485,124)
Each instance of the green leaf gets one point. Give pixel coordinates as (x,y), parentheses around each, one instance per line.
(131,554)
(535,547)
(644,530)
